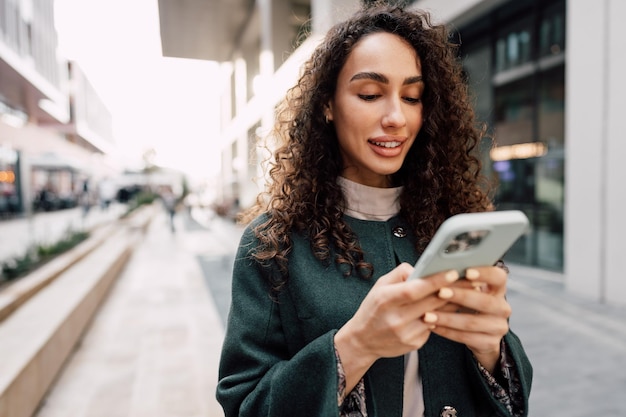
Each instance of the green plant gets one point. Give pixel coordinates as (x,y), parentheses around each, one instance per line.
(71,239)
(40,254)
(17,267)
(144,197)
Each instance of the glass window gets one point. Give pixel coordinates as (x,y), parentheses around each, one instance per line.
(514,109)
(10,201)
(551,114)
(522,96)
(513,128)
(552,31)
(513,46)
(477,66)
(550,177)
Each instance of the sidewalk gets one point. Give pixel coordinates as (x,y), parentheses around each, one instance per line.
(153,349)
(577,348)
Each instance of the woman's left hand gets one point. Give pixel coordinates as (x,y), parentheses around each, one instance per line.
(477,313)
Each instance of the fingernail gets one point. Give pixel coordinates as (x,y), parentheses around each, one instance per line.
(451,276)
(430,317)
(445,293)
(478,286)
(471,273)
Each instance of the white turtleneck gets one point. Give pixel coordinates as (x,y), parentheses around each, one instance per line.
(380,204)
(370,203)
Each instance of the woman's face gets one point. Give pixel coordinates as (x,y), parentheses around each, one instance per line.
(377,108)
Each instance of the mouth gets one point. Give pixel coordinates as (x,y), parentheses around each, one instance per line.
(386,144)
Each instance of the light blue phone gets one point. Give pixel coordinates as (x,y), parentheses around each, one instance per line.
(471,240)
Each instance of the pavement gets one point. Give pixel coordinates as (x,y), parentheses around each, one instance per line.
(153,348)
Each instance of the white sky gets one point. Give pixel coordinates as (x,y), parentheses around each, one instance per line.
(168,104)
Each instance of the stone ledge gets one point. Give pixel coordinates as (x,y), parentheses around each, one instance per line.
(20,291)
(40,335)
(17,293)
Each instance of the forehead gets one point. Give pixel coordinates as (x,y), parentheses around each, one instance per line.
(385,53)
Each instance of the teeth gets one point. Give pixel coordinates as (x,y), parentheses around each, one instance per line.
(387,144)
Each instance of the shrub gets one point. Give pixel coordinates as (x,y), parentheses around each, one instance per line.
(33,259)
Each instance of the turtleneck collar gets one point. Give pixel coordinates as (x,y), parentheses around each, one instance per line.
(370,203)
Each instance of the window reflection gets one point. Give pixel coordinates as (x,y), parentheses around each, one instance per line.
(514,113)
(513,47)
(552,32)
(524,103)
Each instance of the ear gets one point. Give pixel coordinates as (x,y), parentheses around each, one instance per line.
(328,111)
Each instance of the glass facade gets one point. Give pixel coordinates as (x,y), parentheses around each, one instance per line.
(514,58)
(10,199)
(27,28)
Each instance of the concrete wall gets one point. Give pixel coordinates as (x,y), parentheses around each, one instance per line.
(616,152)
(594,200)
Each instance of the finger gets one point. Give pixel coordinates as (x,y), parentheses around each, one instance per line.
(417,334)
(476,285)
(475,301)
(419,288)
(396,275)
(493,277)
(397,290)
(476,341)
(414,311)
(471,322)
(478,331)
(448,307)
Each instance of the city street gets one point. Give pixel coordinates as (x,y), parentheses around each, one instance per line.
(153,349)
(111,312)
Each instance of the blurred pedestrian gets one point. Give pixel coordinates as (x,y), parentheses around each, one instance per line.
(84,199)
(170,203)
(376,147)
(107,191)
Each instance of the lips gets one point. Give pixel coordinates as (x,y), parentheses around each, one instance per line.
(389,144)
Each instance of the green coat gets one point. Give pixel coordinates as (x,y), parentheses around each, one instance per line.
(278,357)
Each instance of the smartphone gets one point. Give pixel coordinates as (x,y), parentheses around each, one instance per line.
(471,240)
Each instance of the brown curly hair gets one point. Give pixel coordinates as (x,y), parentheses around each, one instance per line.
(441,173)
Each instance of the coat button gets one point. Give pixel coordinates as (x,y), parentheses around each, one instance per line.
(399,231)
(448,411)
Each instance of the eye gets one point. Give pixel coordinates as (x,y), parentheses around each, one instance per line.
(412,100)
(368,97)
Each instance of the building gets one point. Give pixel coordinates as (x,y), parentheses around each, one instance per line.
(259,44)
(55,132)
(546,80)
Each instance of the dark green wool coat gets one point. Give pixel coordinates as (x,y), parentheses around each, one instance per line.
(278,356)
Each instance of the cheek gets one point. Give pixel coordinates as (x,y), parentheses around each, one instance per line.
(349,122)
(417,122)
(415,127)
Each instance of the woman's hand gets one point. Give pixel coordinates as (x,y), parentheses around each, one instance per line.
(389,321)
(476,315)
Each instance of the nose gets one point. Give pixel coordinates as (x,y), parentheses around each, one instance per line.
(394,114)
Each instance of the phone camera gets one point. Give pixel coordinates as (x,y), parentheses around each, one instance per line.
(466,241)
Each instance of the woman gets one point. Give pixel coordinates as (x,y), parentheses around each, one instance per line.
(376,150)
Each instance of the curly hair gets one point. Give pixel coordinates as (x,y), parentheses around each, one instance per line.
(441,174)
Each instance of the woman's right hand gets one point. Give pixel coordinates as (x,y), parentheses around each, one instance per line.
(389,321)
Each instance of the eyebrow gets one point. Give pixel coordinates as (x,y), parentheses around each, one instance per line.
(375,76)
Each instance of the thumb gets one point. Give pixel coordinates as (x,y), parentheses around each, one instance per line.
(397,275)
